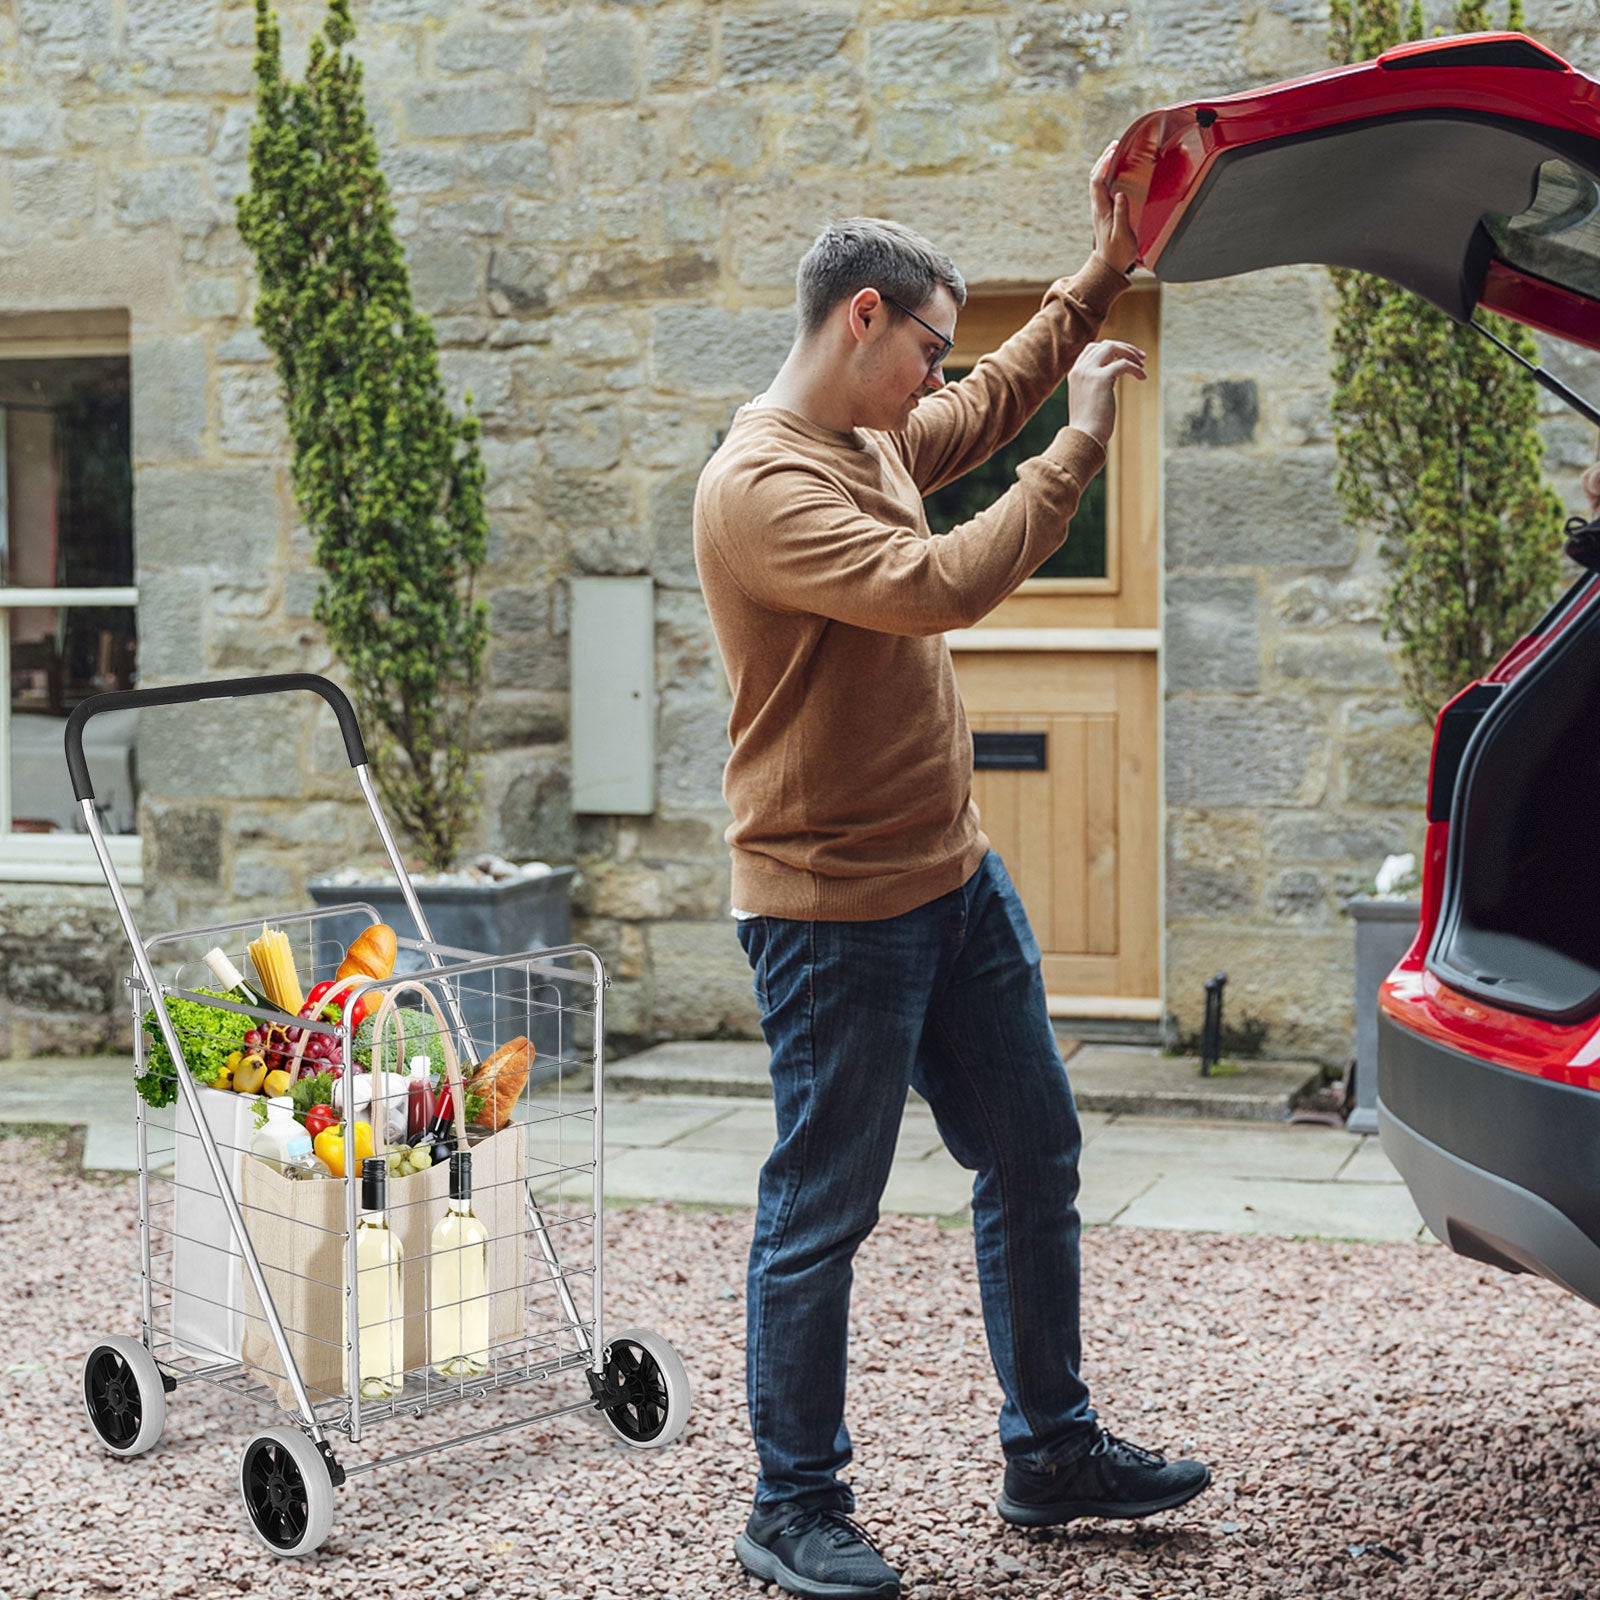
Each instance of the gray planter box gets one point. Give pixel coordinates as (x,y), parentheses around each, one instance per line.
(1384,931)
(495,919)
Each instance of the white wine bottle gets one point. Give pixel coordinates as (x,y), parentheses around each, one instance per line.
(380,1309)
(458,1304)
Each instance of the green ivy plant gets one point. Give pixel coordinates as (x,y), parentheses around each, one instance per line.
(388,478)
(1438,445)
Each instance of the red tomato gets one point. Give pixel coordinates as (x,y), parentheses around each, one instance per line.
(320,1117)
(312,1008)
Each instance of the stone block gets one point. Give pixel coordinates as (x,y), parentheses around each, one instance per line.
(245,345)
(440,112)
(783,43)
(263,880)
(509,719)
(158,27)
(56,978)
(507,164)
(622,274)
(1331,838)
(834,141)
(33,127)
(1388,767)
(1237,509)
(482,214)
(482,50)
(178,130)
(595,337)
(672,529)
(725,135)
(1212,633)
(921,138)
(251,404)
(192,752)
(1030,228)
(230,517)
(693,748)
(632,149)
(772,228)
(1299,895)
(1214,863)
(1223,413)
(590,60)
(484,377)
(446,274)
(584,434)
(415,169)
(1052,49)
(588,500)
(520,280)
(167,194)
(700,981)
(1336,663)
(1224,750)
(53,190)
(961,54)
(172,637)
(169,398)
(187,842)
(1218,330)
(677,52)
(618,551)
(1298,981)
(212,299)
(691,214)
(101,127)
(527,803)
(80,24)
(707,350)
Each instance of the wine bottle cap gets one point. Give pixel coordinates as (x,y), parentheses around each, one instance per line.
(461,1175)
(223,969)
(374,1183)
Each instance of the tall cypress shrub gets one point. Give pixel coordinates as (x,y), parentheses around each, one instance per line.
(1438,444)
(389,480)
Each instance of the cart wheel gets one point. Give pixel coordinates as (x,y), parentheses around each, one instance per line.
(124,1396)
(288,1494)
(647,1368)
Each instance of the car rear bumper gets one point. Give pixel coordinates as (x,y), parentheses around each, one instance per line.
(1503,1166)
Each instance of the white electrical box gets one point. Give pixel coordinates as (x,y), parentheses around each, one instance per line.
(613,695)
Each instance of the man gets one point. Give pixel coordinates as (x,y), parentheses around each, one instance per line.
(888,946)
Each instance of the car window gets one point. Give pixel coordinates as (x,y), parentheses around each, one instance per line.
(1558,237)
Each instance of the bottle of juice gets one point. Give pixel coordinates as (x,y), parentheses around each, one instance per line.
(380,1308)
(419,1098)
(458,1304)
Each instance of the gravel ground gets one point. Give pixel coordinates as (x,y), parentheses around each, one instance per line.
(1381,1420)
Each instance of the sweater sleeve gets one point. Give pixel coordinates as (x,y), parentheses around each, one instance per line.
(960,426)
(797,542)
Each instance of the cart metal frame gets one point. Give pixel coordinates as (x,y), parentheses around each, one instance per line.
(613,1384)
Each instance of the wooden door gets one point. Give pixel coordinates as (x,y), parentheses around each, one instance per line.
(1066,672)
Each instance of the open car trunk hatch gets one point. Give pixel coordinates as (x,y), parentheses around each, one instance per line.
(1466,170)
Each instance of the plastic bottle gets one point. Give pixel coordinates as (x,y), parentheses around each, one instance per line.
(419,1098)
(286,1146)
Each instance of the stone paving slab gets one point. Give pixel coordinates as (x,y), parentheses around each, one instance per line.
(1240,1149)
(1208,1202)
(1368,1164)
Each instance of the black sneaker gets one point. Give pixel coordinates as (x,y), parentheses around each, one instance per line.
(1115,1479)
(819,1553)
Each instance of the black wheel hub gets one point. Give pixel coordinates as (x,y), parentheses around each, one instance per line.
(275,1494)
(633,1373)
(115,1406)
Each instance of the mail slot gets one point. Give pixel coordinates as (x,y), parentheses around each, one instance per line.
(1009,752)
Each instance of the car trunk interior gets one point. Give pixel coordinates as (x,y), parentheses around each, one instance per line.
(1519,927)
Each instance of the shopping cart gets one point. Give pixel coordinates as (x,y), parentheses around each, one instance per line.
(245,1275)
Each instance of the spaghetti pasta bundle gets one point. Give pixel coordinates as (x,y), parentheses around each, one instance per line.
(274,964)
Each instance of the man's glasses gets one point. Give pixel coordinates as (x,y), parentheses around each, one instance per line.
(945,345)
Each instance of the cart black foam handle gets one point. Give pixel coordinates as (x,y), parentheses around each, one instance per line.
(181,694)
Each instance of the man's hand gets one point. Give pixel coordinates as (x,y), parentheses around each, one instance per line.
(1092,385)
(1114,240)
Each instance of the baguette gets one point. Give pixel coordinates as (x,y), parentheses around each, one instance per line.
(499,1080)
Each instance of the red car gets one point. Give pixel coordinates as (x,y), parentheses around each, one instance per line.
(1468,170)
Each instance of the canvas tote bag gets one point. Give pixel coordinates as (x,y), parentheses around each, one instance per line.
(297,1229)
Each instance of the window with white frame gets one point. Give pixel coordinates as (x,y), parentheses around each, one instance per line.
(68,624)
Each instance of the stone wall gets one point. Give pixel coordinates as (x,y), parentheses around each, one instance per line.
(602,205)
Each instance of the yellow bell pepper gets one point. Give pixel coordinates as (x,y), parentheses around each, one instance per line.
(329,1146)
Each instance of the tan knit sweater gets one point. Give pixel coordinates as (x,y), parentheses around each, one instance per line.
(850,779)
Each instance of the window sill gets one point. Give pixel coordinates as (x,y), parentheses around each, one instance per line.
(68,859)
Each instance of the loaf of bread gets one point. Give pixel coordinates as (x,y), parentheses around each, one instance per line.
(499,1080)
(371,954)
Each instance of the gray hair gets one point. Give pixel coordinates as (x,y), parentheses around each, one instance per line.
(870,253)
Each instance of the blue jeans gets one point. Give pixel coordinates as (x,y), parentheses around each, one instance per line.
(948,998)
